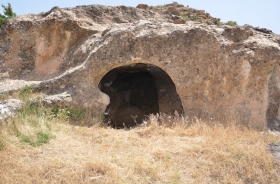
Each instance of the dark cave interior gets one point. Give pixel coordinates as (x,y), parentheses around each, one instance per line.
(137,91)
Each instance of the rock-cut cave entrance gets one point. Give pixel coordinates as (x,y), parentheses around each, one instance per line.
(136,91)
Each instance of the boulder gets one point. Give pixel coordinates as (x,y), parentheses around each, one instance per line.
(8,108)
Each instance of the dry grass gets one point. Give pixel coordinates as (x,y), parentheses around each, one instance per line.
(155,154)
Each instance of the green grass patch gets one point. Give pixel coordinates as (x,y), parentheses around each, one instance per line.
(38,136)
(37,140)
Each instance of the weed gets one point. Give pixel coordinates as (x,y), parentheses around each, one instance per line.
(62,113)
(81,115)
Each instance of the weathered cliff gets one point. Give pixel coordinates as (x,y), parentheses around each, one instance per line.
(130,61)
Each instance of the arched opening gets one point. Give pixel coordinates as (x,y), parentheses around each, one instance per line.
(136,91)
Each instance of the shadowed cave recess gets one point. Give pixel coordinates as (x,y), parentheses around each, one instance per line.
(137,91)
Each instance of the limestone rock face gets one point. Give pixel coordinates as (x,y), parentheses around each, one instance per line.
(199,70)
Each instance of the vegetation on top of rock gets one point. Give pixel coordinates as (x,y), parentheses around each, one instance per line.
(231,23)
(216,21)
(175,3)
(182,13)
(189,18)
(8,13)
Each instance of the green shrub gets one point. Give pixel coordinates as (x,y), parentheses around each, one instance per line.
(2,19)
(189,18)
(216,21)
(194,18)
(8,14)
(231,23)
(175,3)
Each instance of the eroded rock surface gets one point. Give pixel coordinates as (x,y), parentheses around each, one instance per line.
(218,71)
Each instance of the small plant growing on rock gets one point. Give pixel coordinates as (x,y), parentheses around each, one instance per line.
(231,23)
(194,18)
(189,18)
(8,13)
(216,21)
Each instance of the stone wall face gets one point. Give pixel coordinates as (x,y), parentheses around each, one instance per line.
(218,71)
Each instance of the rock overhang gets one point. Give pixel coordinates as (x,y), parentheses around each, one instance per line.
(216,69)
